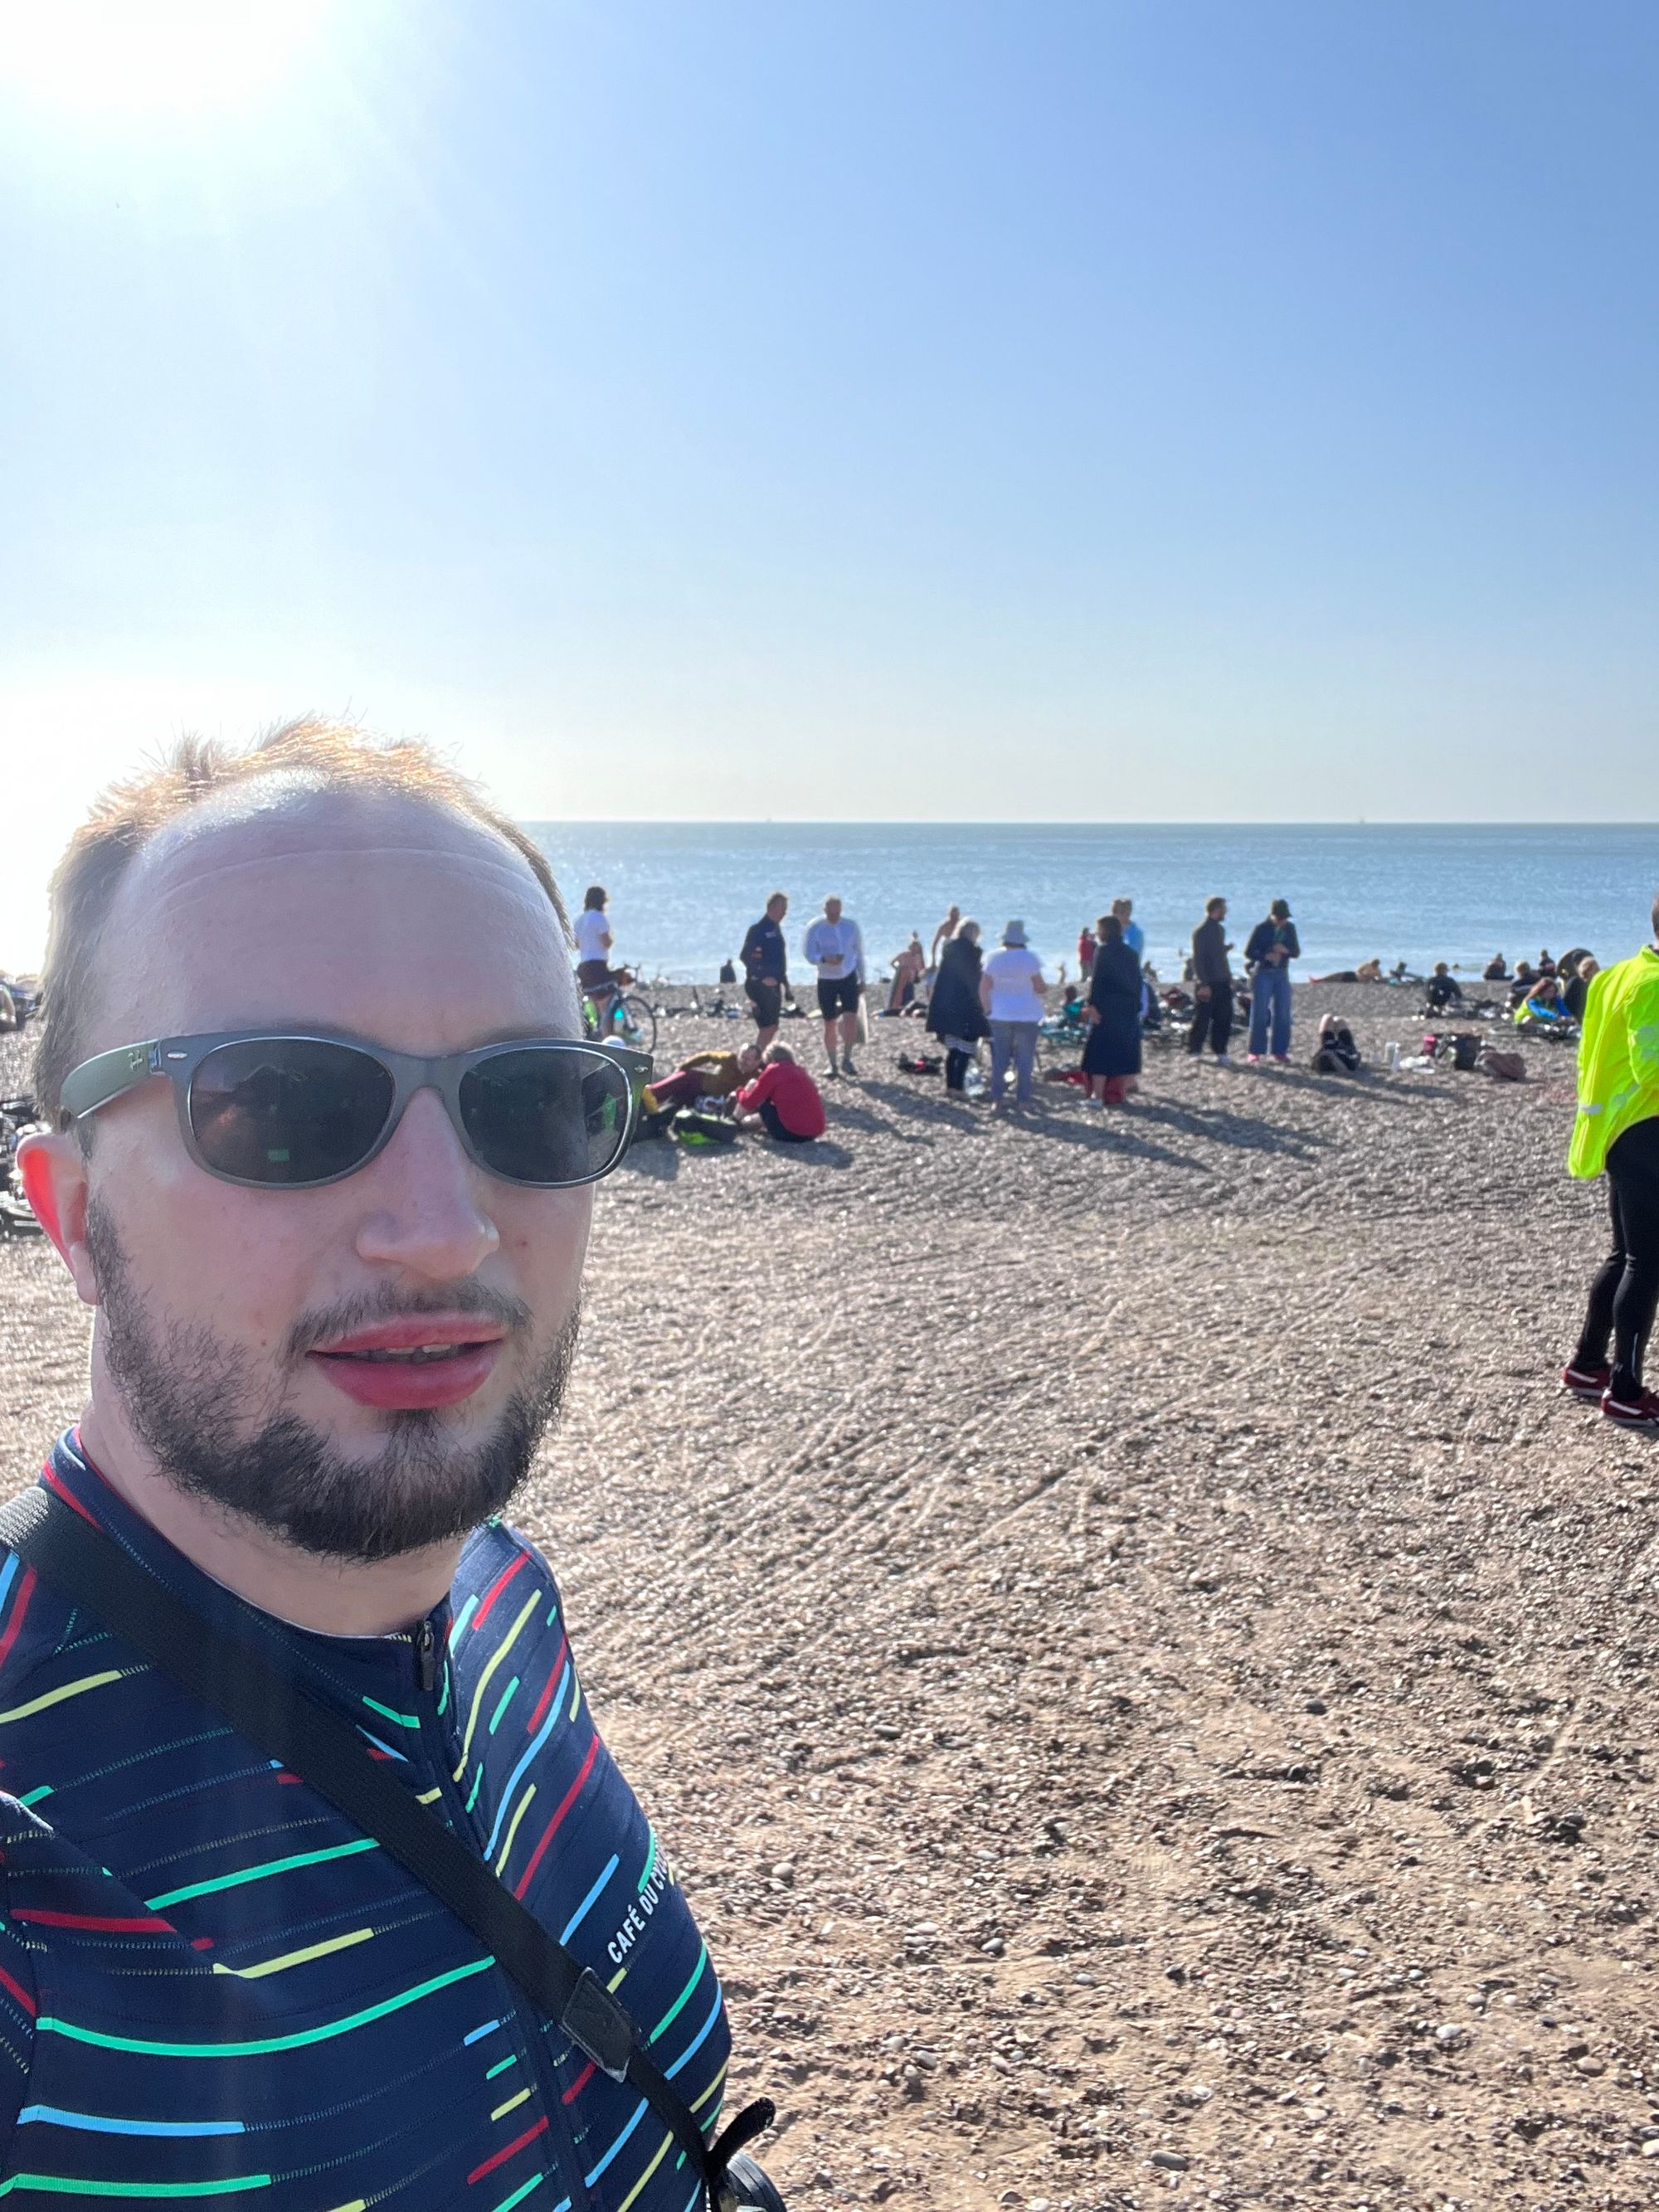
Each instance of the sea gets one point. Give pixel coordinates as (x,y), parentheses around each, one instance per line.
(683,893)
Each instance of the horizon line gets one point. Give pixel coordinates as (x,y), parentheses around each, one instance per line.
(1045,822)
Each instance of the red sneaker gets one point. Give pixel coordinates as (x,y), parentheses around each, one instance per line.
(1586,1381)
(1640,1412)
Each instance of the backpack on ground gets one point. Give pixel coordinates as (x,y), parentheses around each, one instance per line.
(700,1131)
(1502,1066)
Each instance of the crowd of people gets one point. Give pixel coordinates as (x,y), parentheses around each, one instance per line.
(969,999)
(973,1001)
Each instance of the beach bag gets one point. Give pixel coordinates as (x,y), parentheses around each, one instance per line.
(1466,1052)
(1501,1067)
(698,1132)
(920,1063)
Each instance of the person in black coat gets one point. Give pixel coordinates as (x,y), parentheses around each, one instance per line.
(1111,1058)
(955,1015)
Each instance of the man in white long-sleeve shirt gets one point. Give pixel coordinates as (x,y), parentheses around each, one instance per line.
(835,948)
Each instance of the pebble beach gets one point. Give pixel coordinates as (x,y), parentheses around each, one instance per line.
(1150,1687)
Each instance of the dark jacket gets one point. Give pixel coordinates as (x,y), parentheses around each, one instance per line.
(1114,1042)
(954,1009)
(1210,953)
(1268,934)
(764,958)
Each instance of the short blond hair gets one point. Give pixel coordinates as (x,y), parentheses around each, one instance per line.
(322,755)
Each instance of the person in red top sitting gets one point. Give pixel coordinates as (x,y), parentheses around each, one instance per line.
(783,1099)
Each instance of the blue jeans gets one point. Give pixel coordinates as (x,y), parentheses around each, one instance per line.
(1015,1041)
(1270,995)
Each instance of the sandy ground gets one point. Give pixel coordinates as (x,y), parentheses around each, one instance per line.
(1148,1685)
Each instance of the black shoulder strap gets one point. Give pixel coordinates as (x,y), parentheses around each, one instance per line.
(85,1565)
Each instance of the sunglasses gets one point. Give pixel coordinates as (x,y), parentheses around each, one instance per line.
(292,1112)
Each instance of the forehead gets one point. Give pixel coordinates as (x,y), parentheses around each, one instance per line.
(394,919)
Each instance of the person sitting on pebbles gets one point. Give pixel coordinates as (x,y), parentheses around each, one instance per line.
(703,1075)
(1541,1008)
(1442,990)
(1336,1053)
(783,1100)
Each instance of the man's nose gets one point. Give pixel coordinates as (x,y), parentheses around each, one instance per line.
(423,1212)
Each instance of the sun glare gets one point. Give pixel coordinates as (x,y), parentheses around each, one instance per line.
(150,57)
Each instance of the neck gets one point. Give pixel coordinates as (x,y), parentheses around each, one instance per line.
(337,1597)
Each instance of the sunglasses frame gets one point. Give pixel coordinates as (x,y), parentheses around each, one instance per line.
(98,1082)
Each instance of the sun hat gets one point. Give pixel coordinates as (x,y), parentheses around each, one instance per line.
(1014,935)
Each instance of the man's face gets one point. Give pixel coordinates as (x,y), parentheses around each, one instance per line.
(749,1061)
(401,926)
(832,909)
(777,908)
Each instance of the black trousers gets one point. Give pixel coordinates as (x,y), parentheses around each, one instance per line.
(1213,1017)
(957,1065)
(773,1122)
(1626,1292)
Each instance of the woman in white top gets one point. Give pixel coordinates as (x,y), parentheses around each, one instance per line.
(1011,990)
(591,929)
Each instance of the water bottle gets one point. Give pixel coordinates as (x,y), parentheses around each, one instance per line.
(1391,1055)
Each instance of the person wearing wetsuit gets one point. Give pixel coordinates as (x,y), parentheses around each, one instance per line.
(1442,989)
(765,958)
(1212,983)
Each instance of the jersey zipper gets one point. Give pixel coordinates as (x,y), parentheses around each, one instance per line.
(430,1665)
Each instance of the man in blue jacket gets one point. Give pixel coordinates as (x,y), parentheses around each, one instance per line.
(324,1142)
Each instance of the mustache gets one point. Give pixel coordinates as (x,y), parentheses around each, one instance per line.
(387,1303)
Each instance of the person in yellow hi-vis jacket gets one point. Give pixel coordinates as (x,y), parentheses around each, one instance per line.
(1616,1133)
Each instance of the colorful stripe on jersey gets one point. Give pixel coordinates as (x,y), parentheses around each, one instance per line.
(211,1986)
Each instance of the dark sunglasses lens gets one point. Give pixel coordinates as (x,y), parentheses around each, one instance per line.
(285,1110)
(545,1115)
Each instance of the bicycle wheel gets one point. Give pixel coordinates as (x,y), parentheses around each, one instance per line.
(634,1021)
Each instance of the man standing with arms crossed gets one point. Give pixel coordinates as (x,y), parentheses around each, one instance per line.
(835,948)
(324,1135)
(766,969)
(1212,983)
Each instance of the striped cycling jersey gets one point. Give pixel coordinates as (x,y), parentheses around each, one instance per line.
(212,1985)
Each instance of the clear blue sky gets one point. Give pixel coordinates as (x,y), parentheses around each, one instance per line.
(919,408)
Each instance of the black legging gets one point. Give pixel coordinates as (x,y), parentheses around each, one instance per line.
(957,1065)
(1213,1016)
(1626,1292)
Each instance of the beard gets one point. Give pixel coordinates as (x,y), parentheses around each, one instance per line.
(216,1431)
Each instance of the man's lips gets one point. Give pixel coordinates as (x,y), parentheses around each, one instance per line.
(422,1361)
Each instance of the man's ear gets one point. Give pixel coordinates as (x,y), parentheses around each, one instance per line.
(54,1178)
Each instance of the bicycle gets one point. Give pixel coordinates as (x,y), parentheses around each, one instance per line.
(625,1018)
(17,1118)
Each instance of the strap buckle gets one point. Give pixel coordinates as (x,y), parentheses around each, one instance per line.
(593,2020)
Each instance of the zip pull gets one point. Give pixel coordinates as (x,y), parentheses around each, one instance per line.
(426,1653)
